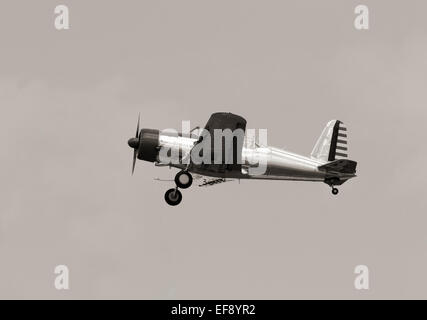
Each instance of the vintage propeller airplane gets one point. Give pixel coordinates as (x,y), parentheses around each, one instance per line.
(327,163)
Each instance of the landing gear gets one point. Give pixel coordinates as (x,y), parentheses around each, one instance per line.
(332,182)
(173,197)
(183,179)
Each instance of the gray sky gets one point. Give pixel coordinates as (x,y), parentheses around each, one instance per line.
(69,101)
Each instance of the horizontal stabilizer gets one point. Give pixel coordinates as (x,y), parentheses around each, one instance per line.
(340,166)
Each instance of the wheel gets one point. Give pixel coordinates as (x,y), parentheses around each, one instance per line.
(334,191)
(173,197)
(183,179)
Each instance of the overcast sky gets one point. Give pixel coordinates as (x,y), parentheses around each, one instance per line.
(69,101)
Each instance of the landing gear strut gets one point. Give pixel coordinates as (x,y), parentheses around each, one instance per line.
(183,180)
(332,182)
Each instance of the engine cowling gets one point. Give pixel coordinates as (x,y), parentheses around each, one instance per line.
(149,145)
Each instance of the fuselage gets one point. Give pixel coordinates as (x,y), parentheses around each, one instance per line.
(257,162)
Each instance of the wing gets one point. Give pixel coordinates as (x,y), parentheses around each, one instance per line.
(232,131)
(225,120)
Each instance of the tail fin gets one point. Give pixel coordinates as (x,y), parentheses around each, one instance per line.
(332,143)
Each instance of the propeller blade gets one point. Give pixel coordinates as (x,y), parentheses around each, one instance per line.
(137,127)
(135,152)
(134,161)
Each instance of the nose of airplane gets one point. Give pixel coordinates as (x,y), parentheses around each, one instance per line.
(133,143)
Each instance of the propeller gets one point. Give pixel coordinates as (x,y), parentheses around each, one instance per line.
(135,143)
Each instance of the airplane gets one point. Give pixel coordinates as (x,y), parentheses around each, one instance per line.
(327,162)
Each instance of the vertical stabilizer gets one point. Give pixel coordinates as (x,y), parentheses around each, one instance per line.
(332,143)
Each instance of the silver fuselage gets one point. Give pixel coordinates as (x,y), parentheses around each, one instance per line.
(279,164)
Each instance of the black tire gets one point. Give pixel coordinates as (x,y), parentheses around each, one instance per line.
(183,180)
(334,191)
(173,197)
